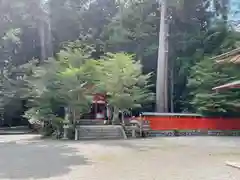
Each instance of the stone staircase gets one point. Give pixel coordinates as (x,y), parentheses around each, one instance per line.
(15,130)
(90,122)
(87,132)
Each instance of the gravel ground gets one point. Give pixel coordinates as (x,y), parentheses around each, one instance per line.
(173,158)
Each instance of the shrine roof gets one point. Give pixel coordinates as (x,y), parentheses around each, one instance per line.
(234,84)
(232,56)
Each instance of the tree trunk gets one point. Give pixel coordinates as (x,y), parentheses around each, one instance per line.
(172,89)
(74,116)
(161,64)
(116,119)
(42,40)
(167,77)
(122,118)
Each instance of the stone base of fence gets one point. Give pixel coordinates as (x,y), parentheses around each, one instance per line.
(193,133)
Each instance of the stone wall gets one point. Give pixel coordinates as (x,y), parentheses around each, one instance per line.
(193,133)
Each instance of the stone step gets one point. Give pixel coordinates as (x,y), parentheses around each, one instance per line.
(90,122)
(100,132)
(15,130)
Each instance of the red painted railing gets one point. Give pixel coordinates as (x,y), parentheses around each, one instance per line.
(188,122)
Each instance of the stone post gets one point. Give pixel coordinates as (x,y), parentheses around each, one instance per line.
(76,134)
(66,124)
(65,132)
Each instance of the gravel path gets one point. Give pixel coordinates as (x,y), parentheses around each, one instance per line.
(173,158)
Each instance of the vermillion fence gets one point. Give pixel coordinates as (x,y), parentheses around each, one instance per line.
(161,121)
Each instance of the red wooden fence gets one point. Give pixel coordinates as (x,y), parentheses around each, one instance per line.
(160,121)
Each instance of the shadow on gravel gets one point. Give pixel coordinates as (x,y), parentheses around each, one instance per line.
(37,159)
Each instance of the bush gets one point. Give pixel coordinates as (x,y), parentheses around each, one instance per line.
(46,124)
(176,132)
(47,130)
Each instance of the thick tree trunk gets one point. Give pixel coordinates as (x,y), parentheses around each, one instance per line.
(116,119)
(161,92)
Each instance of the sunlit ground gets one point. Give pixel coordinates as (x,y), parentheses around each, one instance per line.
(181,158)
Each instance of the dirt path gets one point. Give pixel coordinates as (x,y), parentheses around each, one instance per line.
(182,158)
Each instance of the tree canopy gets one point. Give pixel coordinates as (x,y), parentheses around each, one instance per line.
(32,32)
